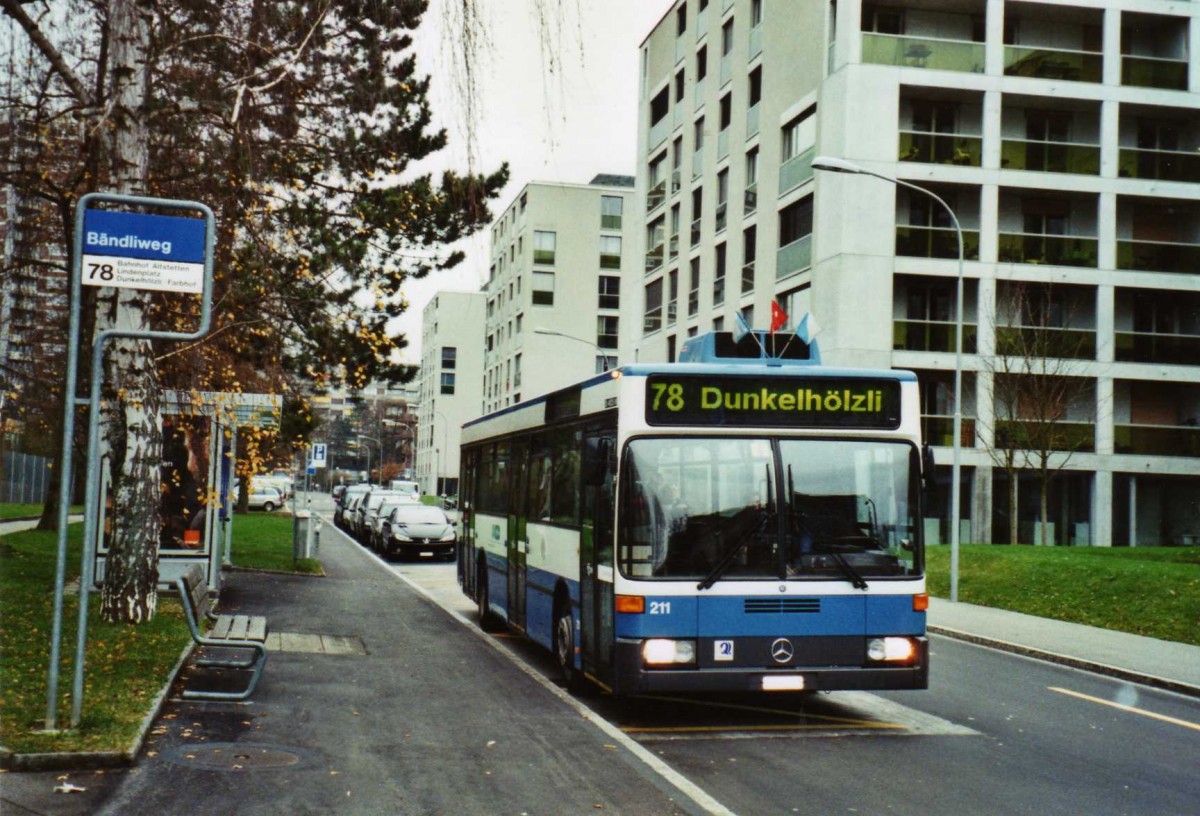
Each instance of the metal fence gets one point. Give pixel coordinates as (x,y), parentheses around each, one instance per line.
(24,478)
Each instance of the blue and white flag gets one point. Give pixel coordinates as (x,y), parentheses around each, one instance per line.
(807,329)
(741,328)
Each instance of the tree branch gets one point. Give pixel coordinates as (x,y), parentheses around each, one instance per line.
(13,9)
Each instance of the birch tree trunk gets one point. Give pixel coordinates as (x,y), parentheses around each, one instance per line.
(130,432)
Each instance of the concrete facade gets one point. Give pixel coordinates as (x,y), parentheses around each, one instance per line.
(1063,135)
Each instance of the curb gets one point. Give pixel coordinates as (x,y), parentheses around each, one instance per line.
(1177,686)
(97,760)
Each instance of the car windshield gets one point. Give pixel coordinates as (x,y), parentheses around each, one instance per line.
(419,514)
(714,509)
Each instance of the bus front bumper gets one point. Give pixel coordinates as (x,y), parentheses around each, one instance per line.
(632,677)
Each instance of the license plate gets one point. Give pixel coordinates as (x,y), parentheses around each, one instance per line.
(783,682)
(427,552)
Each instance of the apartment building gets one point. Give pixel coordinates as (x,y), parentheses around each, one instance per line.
(452,330)
(1064,137)
(559,256)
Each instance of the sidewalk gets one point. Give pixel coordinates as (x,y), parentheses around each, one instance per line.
(1159,663)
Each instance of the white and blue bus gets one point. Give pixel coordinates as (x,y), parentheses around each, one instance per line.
(743,520)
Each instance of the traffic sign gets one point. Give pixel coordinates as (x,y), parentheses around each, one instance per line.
(139,251)
(317,455)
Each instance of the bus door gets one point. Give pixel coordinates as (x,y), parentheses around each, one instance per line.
(596,553)
(517,541)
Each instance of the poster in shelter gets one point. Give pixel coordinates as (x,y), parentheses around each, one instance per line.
(185,475)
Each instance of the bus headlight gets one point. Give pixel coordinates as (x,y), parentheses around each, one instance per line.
(891,649)
(664,652)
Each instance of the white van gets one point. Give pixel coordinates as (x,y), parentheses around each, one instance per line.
(406,486)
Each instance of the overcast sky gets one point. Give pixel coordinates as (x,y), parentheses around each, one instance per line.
(566,126)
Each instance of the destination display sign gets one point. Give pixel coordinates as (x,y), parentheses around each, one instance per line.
(797,402)
(140,251)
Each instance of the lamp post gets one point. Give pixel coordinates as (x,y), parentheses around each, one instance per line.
(380,444)
(408,424)
(596,346)
(835,165)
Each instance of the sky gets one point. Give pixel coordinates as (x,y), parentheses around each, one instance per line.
(549,125)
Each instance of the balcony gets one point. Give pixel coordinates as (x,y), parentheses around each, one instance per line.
(935,242)
(695,232)
(725,69)
(750,199)
(1154,72)
(1048,63)
(923,52)
(793,258)
(1147,347)
(752,119)
(796,170)
(1034,435)
(931,335)
(697,162)
(652,321)
(939,431)
(940,148)
(676,181)
(654,258)
(693,302)
(1046,342)
(1158,256)
(756,39)
(656,196)
(1157,440)
(658,133)
(720,219)
(1050,157)
(747,277)
(723,144)
(1056,250)
(673,247)
(1159,165)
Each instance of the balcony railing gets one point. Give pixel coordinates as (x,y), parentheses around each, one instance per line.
(609,260)
(1149,347)
(750,199)
(695,232)
(726,69)
(718,291)
(677,115)
(1157,440)
(796,170)
(693,303)
(756,38)
(1160,165)
(676,181)
(656,196)
(698,95)
(697,163)
(1062,344)
(1049,63)
(1057,250)
(654,258)
(923,52)
(1154,72)
(939,431)
(793,258)
(748,277)
(1056,436)
(1158,256)
(610,222)
(658,133)
(931,335)
(1050,157)
(673,246)
(752,119)
(652,321)
(940,148)
(935,242)
(719,221)
(723,144)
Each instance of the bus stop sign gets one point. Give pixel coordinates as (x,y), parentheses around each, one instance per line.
(141,251)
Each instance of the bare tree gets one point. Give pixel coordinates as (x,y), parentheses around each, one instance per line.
(1044,410)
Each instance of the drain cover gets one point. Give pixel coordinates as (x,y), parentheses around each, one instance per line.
(233,756)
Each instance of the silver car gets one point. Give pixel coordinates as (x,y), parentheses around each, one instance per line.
(418,529)
(376,518)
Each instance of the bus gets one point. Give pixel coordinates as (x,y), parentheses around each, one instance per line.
(743,520)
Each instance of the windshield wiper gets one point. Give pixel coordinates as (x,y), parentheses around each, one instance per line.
(850,572)
(730,557)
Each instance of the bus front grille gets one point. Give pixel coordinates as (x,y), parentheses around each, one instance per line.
(782,606)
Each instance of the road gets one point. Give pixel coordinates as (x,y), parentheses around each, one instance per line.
(995,733)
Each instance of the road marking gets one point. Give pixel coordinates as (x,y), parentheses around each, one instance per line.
(1130,709)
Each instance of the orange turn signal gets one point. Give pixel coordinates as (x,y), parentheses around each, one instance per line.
(920,602)
(631,604)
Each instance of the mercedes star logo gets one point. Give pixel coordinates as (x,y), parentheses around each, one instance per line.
(781,650)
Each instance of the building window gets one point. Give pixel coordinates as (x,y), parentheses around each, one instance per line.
(448,383)
(517,371)
(672,296)
(756,13)
(609,292)
(610,252)
(755,87)
(702,63)
(722,199)
(796,221)
(749,250)
(681,20)
(694,288)
(659,105)
(606,331)
(449,356)
(726,111)
(543,288)
(611,209)
(653,316)
(751,193)
(719,276)
(797,133)
(727,38)
(697,212)
(543,247)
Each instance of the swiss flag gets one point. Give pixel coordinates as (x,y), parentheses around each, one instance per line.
(779,317)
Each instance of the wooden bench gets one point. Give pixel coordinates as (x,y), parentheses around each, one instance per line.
(237,632)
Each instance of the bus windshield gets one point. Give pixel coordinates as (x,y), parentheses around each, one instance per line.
(710,509)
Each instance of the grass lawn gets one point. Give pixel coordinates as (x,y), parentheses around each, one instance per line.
(1152,591)
(13,511)
(264,541)
(126,665)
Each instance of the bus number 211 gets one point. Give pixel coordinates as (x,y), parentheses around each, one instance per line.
(660,607)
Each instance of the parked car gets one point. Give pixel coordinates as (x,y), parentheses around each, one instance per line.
(336,493)
(375,518)
(418,529)
(406,485)
(265,498)
(343,516)
(365,511)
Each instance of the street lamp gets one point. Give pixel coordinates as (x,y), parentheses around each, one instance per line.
(380,444)
(835,165)
(596,346)
(408,424)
